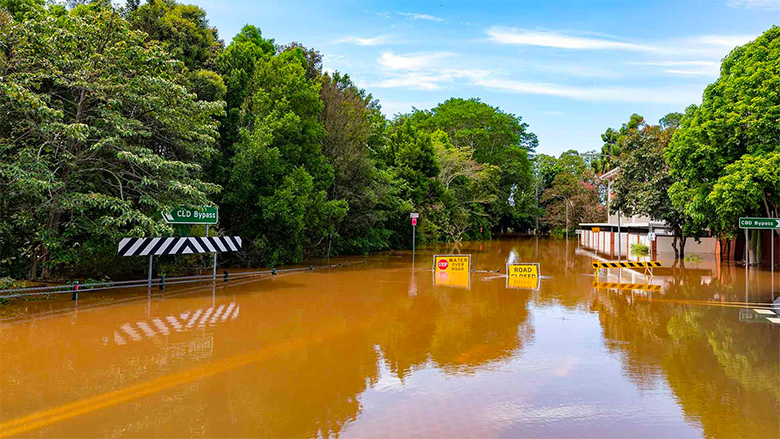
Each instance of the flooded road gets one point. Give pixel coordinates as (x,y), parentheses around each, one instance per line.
(377,349)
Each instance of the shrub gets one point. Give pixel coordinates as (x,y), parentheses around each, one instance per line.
(640,250)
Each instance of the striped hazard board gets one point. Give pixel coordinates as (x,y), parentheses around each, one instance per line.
(178,245)
(626,286)
(625,264)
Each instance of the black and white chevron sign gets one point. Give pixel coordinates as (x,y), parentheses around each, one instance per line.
(178,245)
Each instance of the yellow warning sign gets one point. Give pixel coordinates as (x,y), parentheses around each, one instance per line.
(452,263)
(595,229)
(523,275)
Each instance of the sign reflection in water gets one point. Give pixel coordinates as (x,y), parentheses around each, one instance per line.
(353,352)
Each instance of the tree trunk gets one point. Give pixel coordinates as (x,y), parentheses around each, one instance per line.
(34,265)
(674,246)
(53,225)
(683,239)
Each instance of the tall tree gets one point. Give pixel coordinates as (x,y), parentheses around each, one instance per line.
(354,124)
(183,30)
(645,178)
(737,123)
(276,196)
(497,138)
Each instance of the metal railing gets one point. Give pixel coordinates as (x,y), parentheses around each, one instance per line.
(76,288)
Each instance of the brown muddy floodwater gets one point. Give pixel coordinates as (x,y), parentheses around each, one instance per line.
(376,349)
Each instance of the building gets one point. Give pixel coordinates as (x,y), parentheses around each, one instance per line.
(615,237)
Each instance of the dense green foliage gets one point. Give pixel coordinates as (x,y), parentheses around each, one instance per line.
(111,115)
(98,132)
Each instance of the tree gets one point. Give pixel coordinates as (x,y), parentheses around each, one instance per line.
(497,138)
(354,125)
(236,64)
(276,197)
(645,178)
(183,30)
(572,189)
(98,134)
(739,116)
(468,187)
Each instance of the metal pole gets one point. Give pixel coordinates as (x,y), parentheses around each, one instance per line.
(746,267)
(536,190)
(619,248)
(214,266)
(150,271)
(414,236)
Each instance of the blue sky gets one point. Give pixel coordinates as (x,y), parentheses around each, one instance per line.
(570,69)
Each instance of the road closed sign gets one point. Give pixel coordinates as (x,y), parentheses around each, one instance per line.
(452,263)
(523,275)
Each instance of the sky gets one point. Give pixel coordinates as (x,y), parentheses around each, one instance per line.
(569,69)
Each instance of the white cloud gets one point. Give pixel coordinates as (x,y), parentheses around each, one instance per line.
(754,4)
(725,41)
(390,108)
(434,80)
(688,68)
(662,95)
(417,16)
(506,35)
(360,41)
(415,61)
(704,45)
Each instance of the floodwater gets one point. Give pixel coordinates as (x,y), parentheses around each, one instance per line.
(377,349)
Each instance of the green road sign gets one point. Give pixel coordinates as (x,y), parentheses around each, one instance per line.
(759,223)
(184,215)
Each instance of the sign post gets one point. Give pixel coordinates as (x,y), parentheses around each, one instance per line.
(203,215)
(414,216)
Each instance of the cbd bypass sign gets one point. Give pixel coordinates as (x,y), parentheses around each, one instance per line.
(186,215)
(523,275)
(759,223)
(452,270)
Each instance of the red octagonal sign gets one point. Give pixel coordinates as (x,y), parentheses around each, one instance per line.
(443,264)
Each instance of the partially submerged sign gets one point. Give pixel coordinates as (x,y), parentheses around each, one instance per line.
(452,270)
(186,215)
(523,275)
(759,223)
(452,263)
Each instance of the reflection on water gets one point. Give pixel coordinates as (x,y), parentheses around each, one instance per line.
(379,349)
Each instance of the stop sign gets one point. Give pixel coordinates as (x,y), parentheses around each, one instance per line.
(414,221)
(443,264)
